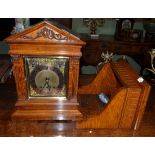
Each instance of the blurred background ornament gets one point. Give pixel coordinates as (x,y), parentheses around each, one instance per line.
(20,25)
(93,23)
(149,27)
(152,54)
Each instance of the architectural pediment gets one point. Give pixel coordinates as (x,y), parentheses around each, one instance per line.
(45,32)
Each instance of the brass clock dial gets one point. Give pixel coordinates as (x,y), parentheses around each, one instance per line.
(47,77)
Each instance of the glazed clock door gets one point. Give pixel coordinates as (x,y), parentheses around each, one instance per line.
(46,76)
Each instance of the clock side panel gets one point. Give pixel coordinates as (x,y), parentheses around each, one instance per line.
(47,77)
(19,74)
(73,77)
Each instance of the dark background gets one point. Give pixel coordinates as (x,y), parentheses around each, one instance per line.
(7,24)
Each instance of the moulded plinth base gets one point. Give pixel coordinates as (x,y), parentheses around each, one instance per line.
(45,111)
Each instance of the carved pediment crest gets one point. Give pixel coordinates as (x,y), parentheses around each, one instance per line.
(45,33)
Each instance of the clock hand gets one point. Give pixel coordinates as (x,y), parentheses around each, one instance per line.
(47,84)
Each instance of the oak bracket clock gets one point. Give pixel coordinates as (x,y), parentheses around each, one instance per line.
(46,69)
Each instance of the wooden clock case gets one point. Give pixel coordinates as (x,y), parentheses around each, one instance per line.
(46,39)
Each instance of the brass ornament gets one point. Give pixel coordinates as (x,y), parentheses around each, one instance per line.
(152,54)
(93,23)
(106,56)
